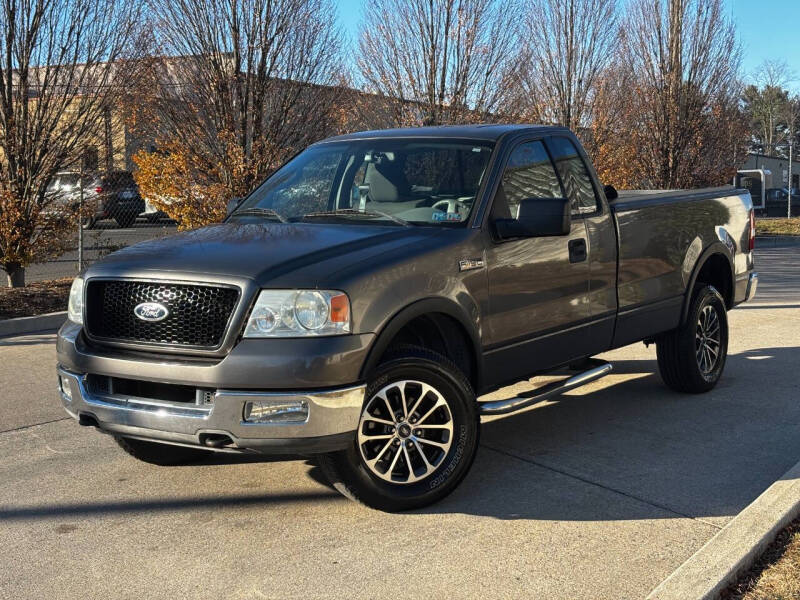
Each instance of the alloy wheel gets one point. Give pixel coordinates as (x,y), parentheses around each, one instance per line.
(405,432)
(707,339)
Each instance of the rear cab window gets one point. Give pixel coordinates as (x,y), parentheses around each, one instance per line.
(529,173)
(574,176)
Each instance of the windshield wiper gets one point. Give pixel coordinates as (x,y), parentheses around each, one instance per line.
(260,212)
(353,211)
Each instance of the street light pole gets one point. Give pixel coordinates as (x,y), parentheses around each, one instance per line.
(80,219)
(789,199)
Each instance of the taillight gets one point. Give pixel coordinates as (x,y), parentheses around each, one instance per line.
(98,189)
(752,230)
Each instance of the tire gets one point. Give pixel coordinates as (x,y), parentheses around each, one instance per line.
(452,430)
(164,455)
(125,221)
(89,223)
(684,364)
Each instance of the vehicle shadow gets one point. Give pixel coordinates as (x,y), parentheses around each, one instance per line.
(627,447)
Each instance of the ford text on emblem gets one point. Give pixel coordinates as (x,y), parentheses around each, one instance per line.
(151,311)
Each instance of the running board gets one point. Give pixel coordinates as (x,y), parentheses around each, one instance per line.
(526,399)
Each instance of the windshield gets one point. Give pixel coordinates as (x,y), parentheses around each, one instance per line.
(394,181)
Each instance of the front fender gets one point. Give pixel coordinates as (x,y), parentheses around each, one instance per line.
(460,311)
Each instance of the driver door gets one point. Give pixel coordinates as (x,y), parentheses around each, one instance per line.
(538,286)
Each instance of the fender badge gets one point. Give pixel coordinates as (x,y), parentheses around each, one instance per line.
(469,264)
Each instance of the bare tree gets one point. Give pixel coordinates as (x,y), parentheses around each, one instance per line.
(441,61)
(766,103)
(58,74)
(566,47)
(685,59)
(241,84)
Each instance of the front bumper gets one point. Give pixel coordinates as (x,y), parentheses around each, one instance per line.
(219,424)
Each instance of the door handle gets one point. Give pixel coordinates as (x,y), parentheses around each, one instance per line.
(577,250)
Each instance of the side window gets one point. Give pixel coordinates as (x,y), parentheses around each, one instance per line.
(528,174)
(574,175)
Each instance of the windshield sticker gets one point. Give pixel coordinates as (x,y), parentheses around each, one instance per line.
(443,216)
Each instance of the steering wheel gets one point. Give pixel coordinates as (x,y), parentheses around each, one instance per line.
(450,205)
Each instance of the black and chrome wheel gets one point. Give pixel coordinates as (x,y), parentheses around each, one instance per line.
(406,431)
(707,339)
(416,437)
(692,357)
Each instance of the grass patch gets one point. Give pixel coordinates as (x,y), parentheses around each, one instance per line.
(776,575)
(35,298)
(778,226)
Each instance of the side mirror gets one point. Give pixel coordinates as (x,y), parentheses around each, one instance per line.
(233,204)
(537,217)
(611,193)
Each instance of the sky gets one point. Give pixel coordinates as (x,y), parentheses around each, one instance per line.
(768,29)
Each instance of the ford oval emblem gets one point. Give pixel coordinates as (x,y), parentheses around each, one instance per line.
(151,311)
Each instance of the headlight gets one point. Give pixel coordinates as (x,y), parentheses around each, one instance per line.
(75,304)
(299,313)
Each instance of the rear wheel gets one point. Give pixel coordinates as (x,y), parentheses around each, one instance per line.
(125,221)
(691,358)
(416,438)
(160,454)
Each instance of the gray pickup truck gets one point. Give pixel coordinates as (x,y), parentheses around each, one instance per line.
(358,303)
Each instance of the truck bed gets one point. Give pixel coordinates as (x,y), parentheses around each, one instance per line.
(661,234)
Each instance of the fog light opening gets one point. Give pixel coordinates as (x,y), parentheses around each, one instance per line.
(276,411)
(65,387)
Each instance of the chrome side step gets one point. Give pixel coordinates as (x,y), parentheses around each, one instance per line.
(526,399)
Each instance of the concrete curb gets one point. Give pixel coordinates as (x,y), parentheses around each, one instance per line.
(777,241)
(736,546)
(23,325)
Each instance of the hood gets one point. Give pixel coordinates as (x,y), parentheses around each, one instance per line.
(259,251)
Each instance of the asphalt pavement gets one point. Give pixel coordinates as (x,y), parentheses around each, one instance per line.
(599,493)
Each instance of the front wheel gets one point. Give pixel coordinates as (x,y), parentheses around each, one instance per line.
(691,358)
(416,438)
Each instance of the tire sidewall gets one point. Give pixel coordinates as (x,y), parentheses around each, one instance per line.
(707,296)
(461,402)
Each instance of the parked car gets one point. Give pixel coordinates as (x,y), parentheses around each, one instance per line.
(115,195)
(359,302)
(776,200)
(152,214)
(63,192)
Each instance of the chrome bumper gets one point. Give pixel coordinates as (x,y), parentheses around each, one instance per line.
(219,424)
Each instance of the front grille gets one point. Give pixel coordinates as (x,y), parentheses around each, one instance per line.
(198,314)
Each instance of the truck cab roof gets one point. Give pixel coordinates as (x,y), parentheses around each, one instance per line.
(487,132)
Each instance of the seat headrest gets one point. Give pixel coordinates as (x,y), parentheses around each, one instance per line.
(387,182)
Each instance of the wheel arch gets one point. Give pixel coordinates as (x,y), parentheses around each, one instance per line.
(713,267)
(451,325)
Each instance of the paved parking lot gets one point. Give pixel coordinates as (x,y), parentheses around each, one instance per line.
(600,493)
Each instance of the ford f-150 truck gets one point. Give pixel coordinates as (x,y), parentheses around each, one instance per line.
(360,301)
